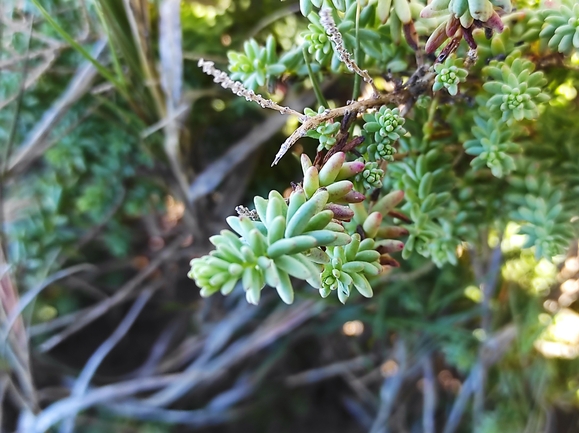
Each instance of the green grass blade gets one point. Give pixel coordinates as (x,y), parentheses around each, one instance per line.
(100,68)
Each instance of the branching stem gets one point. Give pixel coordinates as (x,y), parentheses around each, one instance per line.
(354,106)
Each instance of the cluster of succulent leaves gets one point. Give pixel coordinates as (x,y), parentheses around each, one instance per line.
(257,65)
(561,27)
(324,133)
(492,146)
(383,128)
(380,45)
(305,237)
(545,219)
(428,180)
(515,88)
(449,75)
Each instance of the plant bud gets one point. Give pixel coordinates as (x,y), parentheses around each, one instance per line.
(388,202)
(434,8)
(402,9)
(353,197)
(360,212)
(311,181)
(389,246)
(331,168)
(372,224)
(383,10)
(342,213)
(386,260)
(350,169)
(316,255)
(452,25)
(436,39)
(399,215)
(495,23)
(391,232)
(339,189)
(306,162)
(481,10)
(497,47)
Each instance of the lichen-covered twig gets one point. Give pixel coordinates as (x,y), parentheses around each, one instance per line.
(239,89)
(327,21)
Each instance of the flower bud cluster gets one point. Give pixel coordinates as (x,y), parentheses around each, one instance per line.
(464,16)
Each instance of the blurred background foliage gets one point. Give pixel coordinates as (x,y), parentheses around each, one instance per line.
(120,159)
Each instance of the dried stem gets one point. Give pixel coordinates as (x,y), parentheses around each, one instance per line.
(327,21)
(239,89)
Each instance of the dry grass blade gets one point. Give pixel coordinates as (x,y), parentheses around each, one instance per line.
(327,372)
(137,13)
(14,346)
(104,349)
(390,389)
(429,391)
(4,382)
(14,316)
(170,52)
(83,318)
(194,418)
(106,394)
(171,72)
(9,305)
(278,324)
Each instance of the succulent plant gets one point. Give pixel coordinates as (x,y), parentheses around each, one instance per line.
(491,146)
(256,64)
(430,238)
(350,266)
(325,133)
(270,250)
(318,43)
(540,210)
(562,28)
(384,127)
(286,239)
(372,176)
(449,75)
(516,89)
